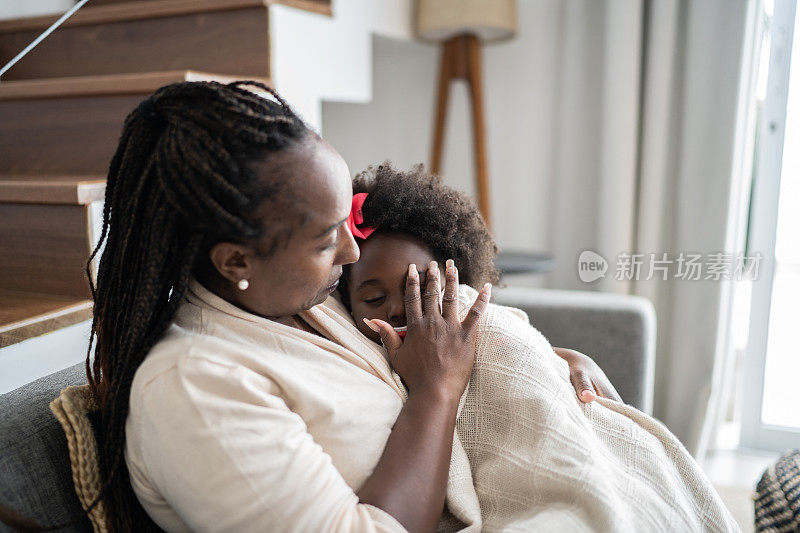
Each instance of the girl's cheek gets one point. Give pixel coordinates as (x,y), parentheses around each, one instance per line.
(359,314)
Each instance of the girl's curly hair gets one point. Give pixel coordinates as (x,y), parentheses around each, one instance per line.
(416,203)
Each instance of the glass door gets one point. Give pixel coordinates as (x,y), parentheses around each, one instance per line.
(771,388)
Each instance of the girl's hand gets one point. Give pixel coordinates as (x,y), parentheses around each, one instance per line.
(439,349)
(588,379)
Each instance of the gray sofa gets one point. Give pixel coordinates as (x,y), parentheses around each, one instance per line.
(35,478)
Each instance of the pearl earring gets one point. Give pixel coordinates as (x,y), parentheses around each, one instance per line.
(243,284)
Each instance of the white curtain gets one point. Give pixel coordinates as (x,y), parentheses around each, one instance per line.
(645,165)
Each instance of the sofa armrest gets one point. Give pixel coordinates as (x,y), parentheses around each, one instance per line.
(617,331)
(35,472)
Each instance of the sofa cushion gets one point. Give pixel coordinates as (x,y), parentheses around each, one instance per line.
(77,410)
(777,504)
(34,460)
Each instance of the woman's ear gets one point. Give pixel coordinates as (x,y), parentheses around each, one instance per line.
(230,260)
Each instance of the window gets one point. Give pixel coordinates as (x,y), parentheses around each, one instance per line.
(770,406)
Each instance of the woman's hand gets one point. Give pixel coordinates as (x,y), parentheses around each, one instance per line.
(439,349)
(588,379)
(435,361)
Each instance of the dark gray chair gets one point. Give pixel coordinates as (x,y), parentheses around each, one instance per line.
(35,476)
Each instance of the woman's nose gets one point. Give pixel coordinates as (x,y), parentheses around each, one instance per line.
(348,251)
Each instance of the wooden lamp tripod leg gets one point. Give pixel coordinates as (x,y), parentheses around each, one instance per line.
(475,79)
(442,99)
(461,59)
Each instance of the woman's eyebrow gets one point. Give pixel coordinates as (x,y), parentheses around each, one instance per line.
(332,226)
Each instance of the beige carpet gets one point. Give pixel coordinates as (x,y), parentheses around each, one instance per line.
(740,503)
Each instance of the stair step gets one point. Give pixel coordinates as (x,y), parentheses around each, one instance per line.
(108,84)
(225,36)
(70,126)
(26,315)
(45,248)
(68,190)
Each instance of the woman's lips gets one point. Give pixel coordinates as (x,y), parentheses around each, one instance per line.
(332,286)
(401,331)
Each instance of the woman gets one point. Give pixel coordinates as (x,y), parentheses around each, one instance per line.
(227,403)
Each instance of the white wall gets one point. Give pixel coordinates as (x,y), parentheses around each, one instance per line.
(39,356)
(316,57)
(10,9)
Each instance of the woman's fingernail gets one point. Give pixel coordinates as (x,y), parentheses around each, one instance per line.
(412,269)
(449,264)
(372,326)
(487,288)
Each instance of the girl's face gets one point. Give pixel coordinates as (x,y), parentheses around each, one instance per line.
(377,282)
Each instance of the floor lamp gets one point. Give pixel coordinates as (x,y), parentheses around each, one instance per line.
(461,26)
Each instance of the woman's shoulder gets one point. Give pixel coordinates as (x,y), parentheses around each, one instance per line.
(172,354)
(183,355)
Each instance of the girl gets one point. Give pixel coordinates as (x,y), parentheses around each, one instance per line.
(528,455)
(420,221)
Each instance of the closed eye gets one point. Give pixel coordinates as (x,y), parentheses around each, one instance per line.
(375,301)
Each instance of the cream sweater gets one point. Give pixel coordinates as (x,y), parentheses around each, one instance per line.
(238,423)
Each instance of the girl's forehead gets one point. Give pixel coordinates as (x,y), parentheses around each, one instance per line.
(396,246)
(386,255)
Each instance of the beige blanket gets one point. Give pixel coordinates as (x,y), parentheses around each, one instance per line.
(529,456)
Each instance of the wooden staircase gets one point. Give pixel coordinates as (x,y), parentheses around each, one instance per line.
(61,113)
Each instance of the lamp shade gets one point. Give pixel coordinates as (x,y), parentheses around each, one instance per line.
(490,20)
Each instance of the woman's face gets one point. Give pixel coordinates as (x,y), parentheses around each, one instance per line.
(377,282)
(309,216)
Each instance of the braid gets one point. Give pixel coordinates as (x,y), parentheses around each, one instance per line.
(178,183)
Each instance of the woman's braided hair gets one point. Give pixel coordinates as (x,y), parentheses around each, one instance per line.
(179,182)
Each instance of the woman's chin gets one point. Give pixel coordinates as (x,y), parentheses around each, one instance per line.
(324,294)
(321,297)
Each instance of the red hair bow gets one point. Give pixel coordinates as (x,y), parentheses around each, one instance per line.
(356,217)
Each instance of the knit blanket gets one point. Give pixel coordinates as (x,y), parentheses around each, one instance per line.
(529,456)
